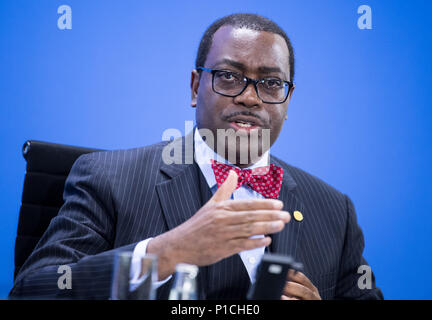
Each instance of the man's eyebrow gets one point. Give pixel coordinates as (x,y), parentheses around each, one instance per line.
(269,69)
(241,66)
(232,63)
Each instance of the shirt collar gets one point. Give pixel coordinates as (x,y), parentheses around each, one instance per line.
(203,154)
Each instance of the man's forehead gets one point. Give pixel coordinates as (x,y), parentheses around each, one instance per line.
(252,48)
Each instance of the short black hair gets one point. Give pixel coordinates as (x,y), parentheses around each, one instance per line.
(242,20)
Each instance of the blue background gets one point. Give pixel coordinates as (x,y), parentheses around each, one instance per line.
(360,117)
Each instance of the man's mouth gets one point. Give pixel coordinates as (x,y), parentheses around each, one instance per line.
(243,126)
(242,122)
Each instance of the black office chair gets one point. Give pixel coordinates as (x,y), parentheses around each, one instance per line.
(48,165)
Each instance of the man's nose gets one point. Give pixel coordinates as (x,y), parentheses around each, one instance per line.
(249,97)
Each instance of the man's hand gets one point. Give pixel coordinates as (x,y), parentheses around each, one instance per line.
(221,228)
(299,287)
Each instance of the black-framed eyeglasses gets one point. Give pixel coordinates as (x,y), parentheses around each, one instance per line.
(232,84)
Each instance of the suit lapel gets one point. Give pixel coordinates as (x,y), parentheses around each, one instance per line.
(179,195)
(286,241)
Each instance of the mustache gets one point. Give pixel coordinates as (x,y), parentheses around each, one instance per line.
(244,113)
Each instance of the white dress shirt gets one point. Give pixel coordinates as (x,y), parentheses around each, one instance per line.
(203,154)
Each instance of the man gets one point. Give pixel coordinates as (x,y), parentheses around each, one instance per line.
(220,215)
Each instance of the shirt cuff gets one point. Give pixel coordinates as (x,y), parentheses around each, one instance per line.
(139,252)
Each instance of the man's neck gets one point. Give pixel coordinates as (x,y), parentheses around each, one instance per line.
(207,152)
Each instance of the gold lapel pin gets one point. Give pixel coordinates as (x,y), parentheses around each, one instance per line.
(298,215)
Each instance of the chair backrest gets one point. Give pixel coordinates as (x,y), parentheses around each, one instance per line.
(48,165)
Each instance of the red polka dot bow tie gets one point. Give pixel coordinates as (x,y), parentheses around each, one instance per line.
(264,180)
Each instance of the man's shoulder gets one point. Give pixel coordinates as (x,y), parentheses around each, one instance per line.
(307,182)
(123,158)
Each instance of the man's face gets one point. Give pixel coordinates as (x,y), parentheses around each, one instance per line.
(255,54)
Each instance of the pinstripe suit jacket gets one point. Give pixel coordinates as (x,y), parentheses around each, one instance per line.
(115,199)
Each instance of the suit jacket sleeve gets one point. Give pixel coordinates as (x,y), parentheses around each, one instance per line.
(347,285)
(81,236)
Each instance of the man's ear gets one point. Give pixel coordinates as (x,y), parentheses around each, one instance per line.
(291,92)
(288,100)
(194,87)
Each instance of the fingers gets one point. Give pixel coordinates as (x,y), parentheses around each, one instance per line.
(249,223)
(245,224)
(252,204)
(225,191)
(241,217)
(297,276)
(284,297)
(238,245)
(293,289)
(299,286)
(247,230)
